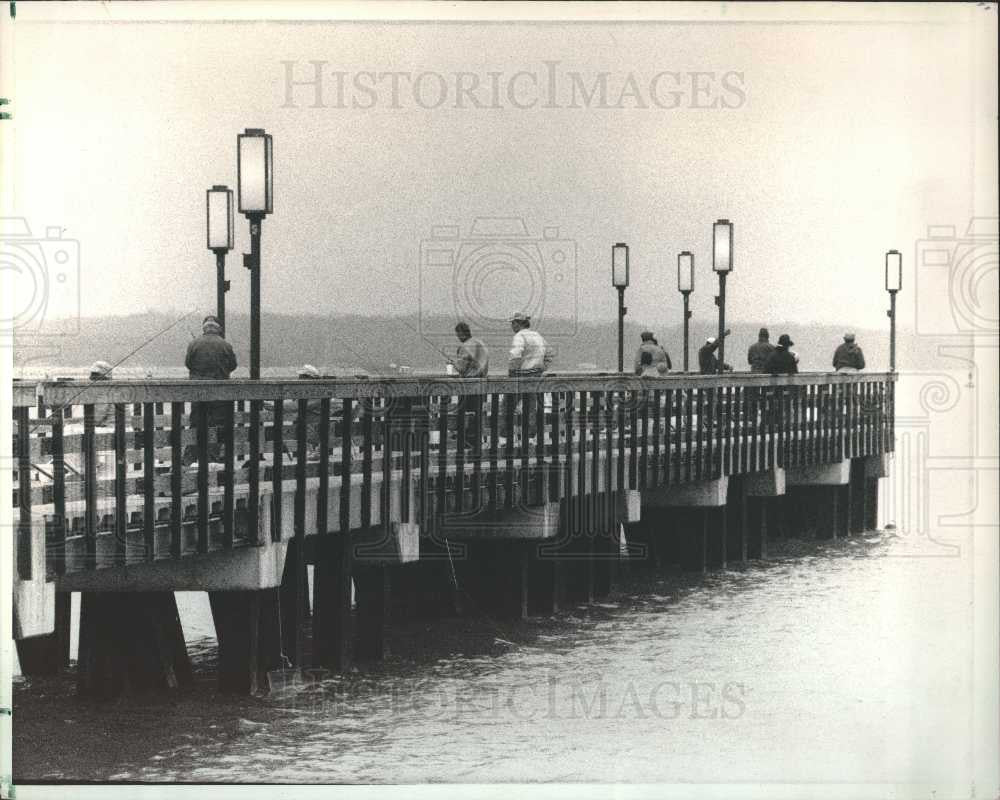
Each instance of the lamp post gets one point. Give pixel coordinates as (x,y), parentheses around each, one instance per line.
(254,171)
(685,285)
(722,263)
(619,279)
(219,223)
(893,283)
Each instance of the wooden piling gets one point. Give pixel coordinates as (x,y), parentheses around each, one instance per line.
(49,654)
(246,626)
(333,624)
(130,642)
(372,586)
(295,578)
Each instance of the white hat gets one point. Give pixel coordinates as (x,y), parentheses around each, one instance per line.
(100,369)
(710,340)
(308,371)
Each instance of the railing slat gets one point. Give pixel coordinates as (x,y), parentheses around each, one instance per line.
(176,476)
(253,479)
(203,507)
(149,482)
(657,400)
(460,434)
(90,487)
(539,491)
(24,539)
(121,508)
(58,541)
(346,454)
(229,486)
(277,470)
(509,403)
(442,470)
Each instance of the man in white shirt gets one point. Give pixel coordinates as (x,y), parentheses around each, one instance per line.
(529,354)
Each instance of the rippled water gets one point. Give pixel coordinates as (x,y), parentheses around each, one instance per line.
(835,661)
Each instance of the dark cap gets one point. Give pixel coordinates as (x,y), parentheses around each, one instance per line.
(763,333)
(646,335)
(785,341)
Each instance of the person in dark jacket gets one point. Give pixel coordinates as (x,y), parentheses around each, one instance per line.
(781,361)
(759,352)
(708,363)
(848,357)
(210,357)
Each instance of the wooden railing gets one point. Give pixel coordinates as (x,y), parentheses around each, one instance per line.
(171,469)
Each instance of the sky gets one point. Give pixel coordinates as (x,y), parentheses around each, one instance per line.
(826,143)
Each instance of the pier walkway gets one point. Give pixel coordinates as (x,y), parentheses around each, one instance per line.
(400,492)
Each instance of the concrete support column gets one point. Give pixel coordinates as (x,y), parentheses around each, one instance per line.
(130,642)
(857,498)
(333,624)
(737,521)
(48,654)
(246,626)
(757,526)
(292,578)
(715,522)
(372,585)
(546,589)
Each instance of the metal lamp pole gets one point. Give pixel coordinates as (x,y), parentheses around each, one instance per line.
(722,263)
(685,285)
(619,279)
(255,178)
(893,284)
(219,222)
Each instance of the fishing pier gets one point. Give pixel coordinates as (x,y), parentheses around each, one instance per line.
(413,495)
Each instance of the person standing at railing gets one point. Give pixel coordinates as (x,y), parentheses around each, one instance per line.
(659,359)
(708,363)
(472,359)
(104,413)
(760,351)
(848,356)
(208,358)
(782,360)
(529,354)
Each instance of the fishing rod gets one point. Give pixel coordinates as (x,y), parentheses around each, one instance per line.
(131,353)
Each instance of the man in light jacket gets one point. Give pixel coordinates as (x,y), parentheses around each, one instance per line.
(529,354)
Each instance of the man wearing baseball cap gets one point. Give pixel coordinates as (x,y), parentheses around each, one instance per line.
(529,354)
(708,362)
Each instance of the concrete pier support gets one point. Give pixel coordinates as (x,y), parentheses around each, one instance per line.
(737,521)
(130,642)
(372,583)
(333,622)
(764,507)
(697,522)
(816,498)
(47,654)
(292,579)
(546,581)
(246,626)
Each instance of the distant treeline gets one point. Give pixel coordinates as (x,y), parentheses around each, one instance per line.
(374,343)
